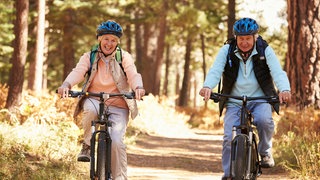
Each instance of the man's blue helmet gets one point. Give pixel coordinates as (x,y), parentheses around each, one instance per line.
(245,26)
(109,27)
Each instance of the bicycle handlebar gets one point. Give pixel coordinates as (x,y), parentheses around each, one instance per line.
(216,97)
(74,94)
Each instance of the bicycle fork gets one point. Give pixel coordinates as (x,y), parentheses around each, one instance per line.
(248,171)
(106,137)
(249,137)
(92,150)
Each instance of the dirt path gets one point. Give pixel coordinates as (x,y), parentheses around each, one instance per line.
(197,156)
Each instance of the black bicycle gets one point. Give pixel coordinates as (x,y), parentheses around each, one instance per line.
(100,144)
(245,163)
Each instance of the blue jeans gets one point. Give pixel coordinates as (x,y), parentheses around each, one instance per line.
(262,114)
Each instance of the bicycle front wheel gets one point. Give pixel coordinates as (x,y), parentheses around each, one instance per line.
(239,150)
(101,156)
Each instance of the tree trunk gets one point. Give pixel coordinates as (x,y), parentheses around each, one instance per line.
(302,63)
(138,45)
(128,39)
(195,92)
(185,82)
(36,68)
(160,48)
(45,63)
(204,64)
(203,49)
(166,76)
(68,50)
(231,16)
(147,60)
(19,55)
(177,85)
(32,34)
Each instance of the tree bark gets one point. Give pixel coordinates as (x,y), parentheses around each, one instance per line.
(68,49)
(138,44)
(127,32)
(19,55)
(185,82)
(302,63)
(36,68)
(231,16)
(204,64)
(166,76)
(147,58)
(160,47)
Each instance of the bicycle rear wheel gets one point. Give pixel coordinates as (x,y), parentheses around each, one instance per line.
(239,151)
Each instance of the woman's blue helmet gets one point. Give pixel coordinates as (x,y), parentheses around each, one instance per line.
(109,27)
(245,26)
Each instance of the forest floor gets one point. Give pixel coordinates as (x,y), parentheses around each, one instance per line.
(196,156)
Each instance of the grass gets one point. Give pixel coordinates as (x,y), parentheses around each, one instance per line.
(298,143)
(41,139)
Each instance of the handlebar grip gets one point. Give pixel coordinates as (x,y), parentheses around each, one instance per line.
(73,93)
(215,97)
(131,95)
(274,100)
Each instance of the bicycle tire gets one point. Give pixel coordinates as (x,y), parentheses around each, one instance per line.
(239,151)
(101,156)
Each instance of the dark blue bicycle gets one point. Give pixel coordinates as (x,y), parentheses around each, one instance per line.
(245,163)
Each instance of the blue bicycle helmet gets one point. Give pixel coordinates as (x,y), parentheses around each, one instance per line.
(109,27)
(245,26)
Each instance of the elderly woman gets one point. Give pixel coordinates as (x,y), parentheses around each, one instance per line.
(107,76)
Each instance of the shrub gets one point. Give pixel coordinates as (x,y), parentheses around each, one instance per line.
(298,142)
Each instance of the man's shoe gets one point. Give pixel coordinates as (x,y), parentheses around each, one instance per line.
(267,161)
(84,155)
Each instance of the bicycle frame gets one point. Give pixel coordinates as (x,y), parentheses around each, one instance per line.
(246,132)
(244,145)
(100,130)
(103,135)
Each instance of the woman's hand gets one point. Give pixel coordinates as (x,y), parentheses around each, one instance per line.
(64,89)
(139,92)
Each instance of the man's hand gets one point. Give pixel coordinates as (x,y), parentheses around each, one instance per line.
(285,96)
(205,92)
